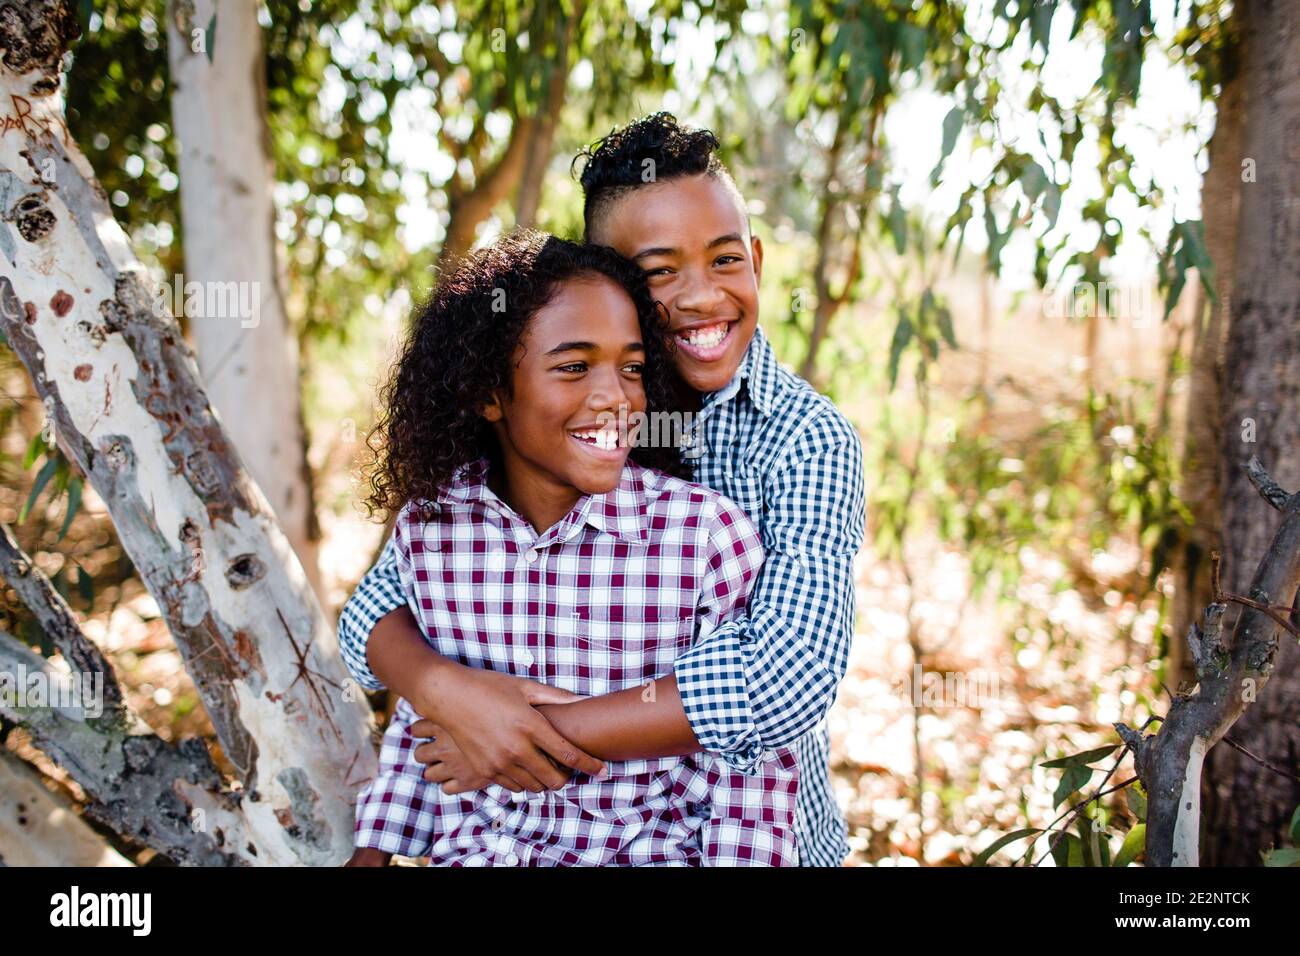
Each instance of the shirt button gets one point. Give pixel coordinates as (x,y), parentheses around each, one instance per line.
(497,824)
(526,658)
(530,555)
(512,860)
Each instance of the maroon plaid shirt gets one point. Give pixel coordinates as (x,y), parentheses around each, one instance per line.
(606,599)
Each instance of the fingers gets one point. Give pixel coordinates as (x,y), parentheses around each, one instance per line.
(538,693)
(523,772)
(563,751)
(504,780)
(437,773)
(424,753)
(540,769)
(425,728)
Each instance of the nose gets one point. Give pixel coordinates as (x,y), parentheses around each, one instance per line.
(700,293)
(608,392)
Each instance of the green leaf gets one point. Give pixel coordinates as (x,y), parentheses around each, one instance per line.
(1067,851)
(1295,826)
(74,501)
(902,335)
(1072,781)
(1137,802)
(1086,837)
(1176,278)
(1040,23)
(945,327)
(1193,233)
(951,127)
(911,45)
(1134,843)
(897,222)
(1052,204)
(1000,842)
(1286,856)
(1079,759)
(210,39)
(1032,180)
(85,586)
(42,479)
(34,450)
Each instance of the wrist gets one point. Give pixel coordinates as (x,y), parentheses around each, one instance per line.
(434,679)
(564,718)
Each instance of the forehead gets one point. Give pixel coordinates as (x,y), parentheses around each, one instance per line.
(592,308)
(684,213)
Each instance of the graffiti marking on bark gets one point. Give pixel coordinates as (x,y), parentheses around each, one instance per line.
(305,674)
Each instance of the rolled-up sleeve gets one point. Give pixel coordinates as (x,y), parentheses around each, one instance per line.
(379,592)
(765,679)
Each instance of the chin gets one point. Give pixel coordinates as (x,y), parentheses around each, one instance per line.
(599,482)
(710,380)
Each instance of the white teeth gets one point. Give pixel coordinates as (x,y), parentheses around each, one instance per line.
(707,338)
(604,438)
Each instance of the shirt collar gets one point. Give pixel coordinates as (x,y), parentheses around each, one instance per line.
(621,511)
(759,371)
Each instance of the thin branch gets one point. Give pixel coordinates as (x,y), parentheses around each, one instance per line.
(1270,609)
(1260,760)
(38,595)
(1154,718)
(1074,811)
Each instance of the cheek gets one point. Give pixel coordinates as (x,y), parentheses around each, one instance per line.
(746,293)
(635,392)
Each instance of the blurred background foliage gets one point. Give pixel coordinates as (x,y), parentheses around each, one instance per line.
(934,181)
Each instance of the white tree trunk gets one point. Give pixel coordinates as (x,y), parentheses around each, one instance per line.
(122,389)
(248,355)
(39,828)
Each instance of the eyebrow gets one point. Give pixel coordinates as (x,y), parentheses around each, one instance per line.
(670,251)
(588,346)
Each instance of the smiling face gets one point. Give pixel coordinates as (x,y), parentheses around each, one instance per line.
(579,361)
(691,237)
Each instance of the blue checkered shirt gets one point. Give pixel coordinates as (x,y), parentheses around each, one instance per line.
(791,460)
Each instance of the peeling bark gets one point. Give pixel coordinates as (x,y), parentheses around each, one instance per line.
(249,363)
(201,534)
(166,797)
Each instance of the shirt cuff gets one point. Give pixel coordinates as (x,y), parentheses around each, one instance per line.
(715,696)
(359,616)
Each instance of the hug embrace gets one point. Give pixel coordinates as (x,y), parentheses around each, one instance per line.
(611,647)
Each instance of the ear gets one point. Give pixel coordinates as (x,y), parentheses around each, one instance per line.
(756,249)
(492,409)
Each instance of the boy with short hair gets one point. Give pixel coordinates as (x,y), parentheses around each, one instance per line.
(657,193)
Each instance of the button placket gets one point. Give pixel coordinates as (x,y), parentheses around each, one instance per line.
(537,560)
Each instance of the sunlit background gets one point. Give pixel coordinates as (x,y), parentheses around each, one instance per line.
(986,189)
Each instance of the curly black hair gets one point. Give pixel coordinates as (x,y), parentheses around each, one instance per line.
(655,146)
(460,349)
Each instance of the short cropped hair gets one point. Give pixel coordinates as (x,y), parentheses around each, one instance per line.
(648,151)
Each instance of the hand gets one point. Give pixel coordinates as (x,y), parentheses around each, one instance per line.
(496,735)
(368,856)
(447,765)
